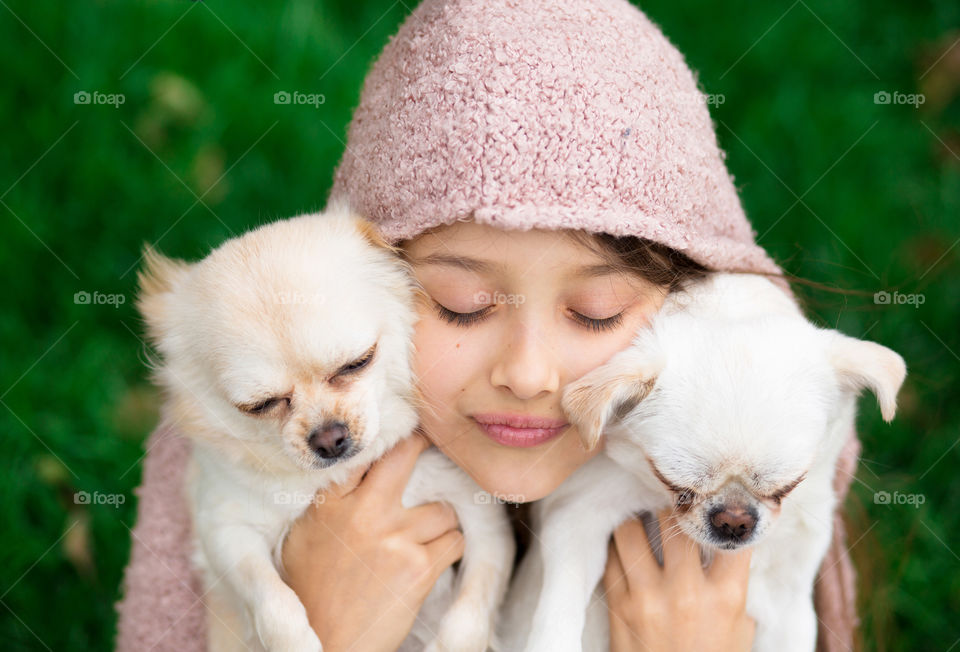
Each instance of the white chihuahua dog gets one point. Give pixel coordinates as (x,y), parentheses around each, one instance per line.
(730,407)
(287,360)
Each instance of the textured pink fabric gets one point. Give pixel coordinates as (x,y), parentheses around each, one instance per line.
(161,609)
(835,591)
(535,114)
(543,113)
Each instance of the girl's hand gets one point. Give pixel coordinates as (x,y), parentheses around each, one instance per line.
(679,606)
(361,563)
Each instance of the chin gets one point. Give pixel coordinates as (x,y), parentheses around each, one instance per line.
(514,489)
(517,475)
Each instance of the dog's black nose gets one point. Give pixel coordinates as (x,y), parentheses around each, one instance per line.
(733,523)
(330,440)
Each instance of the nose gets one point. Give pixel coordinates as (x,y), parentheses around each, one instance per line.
(330,440)
(733,523)
(527,365)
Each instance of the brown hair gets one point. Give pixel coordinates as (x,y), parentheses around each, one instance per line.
(673,270)
(657,263)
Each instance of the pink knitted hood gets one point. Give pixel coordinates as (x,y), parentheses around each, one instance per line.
(575,114)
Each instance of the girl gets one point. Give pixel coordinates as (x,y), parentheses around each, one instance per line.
(551,172)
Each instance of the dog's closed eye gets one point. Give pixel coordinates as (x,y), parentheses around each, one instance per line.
(781,493)
(265,406)
(685,497)
(358,364)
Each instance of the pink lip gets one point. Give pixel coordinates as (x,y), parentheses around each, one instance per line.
(519,430)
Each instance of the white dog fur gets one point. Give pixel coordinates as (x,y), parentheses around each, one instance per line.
(297,325)
(735,399)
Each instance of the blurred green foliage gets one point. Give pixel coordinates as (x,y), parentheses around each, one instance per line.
(842,190)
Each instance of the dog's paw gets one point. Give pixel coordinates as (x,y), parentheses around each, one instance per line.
(282,626)
(462,629)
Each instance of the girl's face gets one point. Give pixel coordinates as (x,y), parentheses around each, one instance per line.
(512,317)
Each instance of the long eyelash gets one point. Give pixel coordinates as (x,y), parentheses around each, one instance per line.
(467,318)
(460,318)
(598,325)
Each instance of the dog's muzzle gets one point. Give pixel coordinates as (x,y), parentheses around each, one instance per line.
(331,441)
(731,524)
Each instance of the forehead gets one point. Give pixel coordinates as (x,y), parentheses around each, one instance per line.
(291,310)
(752,361)
(488,251)
(757,391)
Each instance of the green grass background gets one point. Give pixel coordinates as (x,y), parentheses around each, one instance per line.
(82,187)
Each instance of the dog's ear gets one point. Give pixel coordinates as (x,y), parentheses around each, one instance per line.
(372,235)
(157,281)
(611,390)
(860,364)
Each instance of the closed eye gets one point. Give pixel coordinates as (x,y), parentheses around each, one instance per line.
(461,318)
(468,318)
(265,406)
(781,493)
(598,325)
(357,364)
(685,496)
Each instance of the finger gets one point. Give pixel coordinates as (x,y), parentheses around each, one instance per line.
(730,573)
(429,521)
(614,578)
(681,554)
(388,476)
(731,566)
(633,549)
(345,488)
(445,549)
(622,637)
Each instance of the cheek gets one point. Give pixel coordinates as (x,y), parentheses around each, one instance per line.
(588,353)
(436,357)
(447,359)
(435,362)
(592,351)
(443,365)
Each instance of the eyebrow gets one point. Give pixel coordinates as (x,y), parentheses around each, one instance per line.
(488,267)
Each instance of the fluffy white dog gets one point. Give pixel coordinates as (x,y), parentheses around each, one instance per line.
(287,360)
(730,407)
